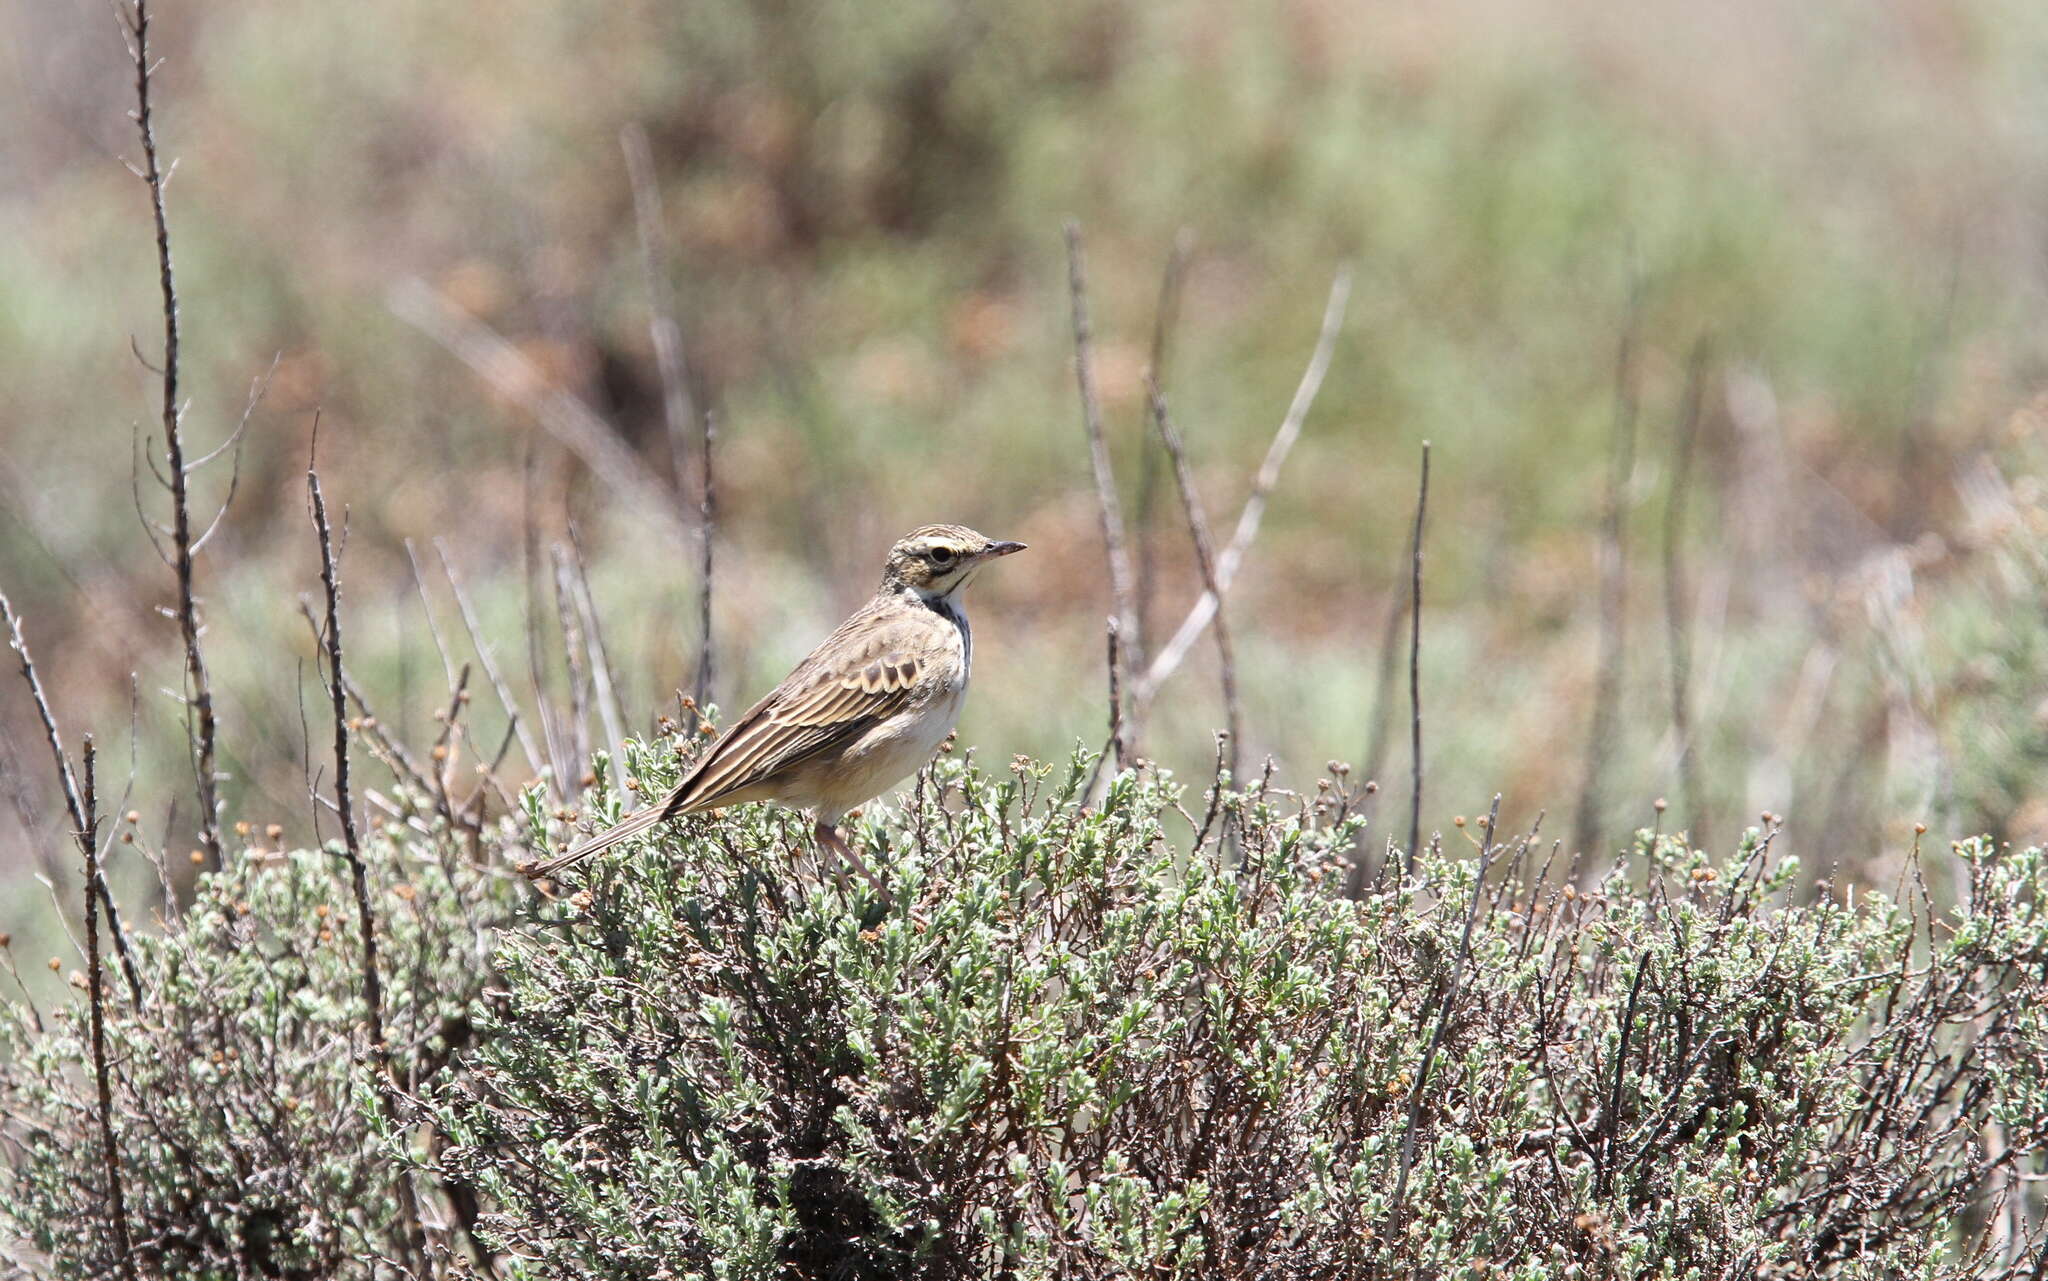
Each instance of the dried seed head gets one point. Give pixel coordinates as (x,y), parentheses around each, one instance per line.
(274,831)
(198,858)
(242,827)
(133,816)
(1660,805)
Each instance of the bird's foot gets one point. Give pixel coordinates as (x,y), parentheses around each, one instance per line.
(828,838)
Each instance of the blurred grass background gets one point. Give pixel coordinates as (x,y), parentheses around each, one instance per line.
(862,228)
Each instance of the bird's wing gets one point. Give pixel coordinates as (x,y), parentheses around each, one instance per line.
(865,673)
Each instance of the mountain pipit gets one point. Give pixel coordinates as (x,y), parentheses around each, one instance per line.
(867,708)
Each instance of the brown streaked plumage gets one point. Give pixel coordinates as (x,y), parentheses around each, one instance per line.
(868,707)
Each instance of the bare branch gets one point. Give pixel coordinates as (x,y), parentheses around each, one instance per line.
(150,528)
(258,389)
(1175,651)
(534,759)
(707,528)
(1164,316)
(1415,667)
(575,656)
(1113,747)
(88,844)
(359,875)
(1198,533)
(201,727)
(419,585)
(1106,504)
(67,781)
(609,713)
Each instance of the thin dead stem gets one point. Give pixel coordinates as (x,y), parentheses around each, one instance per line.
(1198,533)
(1164,318)
(1108,509)
(344,806)
(202,726)
(67,783)
(1415,667)
(88,844)
(1175,651)
(707,529)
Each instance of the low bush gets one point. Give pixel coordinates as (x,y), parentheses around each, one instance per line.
(1062,1039)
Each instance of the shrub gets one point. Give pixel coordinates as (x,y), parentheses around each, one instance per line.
(1060,1044)
(1058,1039)
(251,1141)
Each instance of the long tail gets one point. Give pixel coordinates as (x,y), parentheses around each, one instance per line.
(625,830)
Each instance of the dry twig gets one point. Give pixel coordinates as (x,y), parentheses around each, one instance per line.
(1415,667)
(88,843)
(1175,651)
(67,782)
(359,874)
(1198,533)
(707,526)
(1163,319)
(1107,507)
(201,724)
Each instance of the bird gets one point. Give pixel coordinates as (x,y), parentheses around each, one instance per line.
(867,708)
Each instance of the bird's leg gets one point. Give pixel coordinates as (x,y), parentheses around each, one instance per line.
(828,837)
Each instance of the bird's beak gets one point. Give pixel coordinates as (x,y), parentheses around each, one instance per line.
(1001,549)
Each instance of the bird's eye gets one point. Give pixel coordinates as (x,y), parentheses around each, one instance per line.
(941,555)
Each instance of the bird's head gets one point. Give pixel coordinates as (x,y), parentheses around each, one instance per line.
(937,560)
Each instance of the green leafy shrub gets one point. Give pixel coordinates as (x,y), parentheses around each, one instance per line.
(1055,1040)
(250,1137)
(1059,1044)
